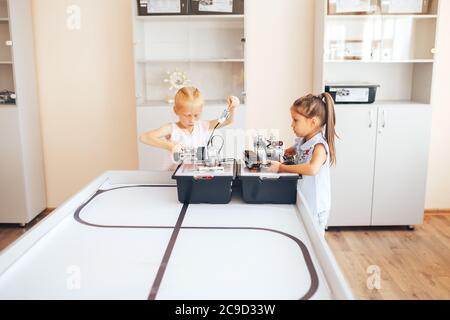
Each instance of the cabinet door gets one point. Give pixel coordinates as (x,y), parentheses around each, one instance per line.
(12,192)
(401,165)
(352,177)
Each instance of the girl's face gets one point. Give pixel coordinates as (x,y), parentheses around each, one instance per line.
(188,115)
(302,125)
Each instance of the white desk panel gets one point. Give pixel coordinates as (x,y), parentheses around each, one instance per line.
(116,240)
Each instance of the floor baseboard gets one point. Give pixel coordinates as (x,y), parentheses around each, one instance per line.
(437,212)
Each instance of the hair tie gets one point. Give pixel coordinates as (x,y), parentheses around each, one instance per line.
(321,97)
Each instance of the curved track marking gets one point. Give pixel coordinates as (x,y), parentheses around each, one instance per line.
(176,229)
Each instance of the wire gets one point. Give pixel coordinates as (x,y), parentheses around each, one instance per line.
(223,142)
(212,134)
(225,115)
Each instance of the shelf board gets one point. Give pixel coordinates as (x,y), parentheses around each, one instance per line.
(382,61)
(162,103)
(192,17)
(4,19)
(189,60)
(381,16)
(6,62)
(388,103)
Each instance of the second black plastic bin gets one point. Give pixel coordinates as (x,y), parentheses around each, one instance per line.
(260,188)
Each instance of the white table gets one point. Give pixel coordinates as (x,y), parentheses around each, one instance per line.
(125,236)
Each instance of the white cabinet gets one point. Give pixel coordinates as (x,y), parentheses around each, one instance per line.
(380,176)
(12,189)
(22,184)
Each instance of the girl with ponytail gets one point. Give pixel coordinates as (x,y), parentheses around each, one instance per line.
(313,122)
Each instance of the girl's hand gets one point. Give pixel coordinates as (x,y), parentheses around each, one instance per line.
(233,102)
(177,148)
(274,167)
(290,152)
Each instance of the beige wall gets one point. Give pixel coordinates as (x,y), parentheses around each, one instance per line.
(279,64)
(438,188)
(86,92)
(86,86)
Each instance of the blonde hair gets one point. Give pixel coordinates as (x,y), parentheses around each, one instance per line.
(189,95)
(322,107)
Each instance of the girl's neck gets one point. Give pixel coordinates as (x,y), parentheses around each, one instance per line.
(188,130)
(313,134)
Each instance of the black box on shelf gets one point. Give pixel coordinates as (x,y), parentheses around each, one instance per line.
(162,8)
(267,188)
(7,97)
(197,183)
(211,7)
(352,93)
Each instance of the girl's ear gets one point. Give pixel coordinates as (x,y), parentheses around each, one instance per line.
(316,121)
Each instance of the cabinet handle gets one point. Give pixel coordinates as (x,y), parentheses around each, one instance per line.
(370,119)
(8,43)
(383,121)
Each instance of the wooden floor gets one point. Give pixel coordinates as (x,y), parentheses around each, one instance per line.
(10,233)
(412,264)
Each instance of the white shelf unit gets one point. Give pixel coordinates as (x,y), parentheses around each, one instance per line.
(161,103)
(381,61)
(396,50)
(214,17)
(380,16)
(185,60)
(210,49)
(205,49)
(6,64)
(22,184)
(4,10)
(380,177)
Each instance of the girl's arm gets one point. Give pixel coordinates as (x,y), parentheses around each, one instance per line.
(155,138)
(233,102)
(311,168)
(214,123)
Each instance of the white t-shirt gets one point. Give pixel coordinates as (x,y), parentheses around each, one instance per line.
(316,189)
(198,138)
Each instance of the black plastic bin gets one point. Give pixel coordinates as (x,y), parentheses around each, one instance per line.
(342,94)
(271,189)
(205,188)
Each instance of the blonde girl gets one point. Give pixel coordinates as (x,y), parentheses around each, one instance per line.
(189,131)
